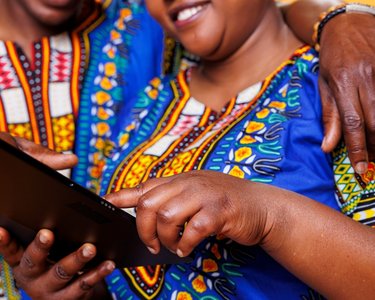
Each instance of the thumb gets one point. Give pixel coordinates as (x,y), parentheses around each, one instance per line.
(331,118)
(53,159)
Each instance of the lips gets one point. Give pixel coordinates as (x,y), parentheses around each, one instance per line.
(61,3)
(186,12)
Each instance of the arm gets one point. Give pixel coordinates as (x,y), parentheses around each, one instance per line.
(301,16)
(327,250)
(346,83)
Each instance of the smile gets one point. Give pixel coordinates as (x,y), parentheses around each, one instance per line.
(185,13)
(188,13)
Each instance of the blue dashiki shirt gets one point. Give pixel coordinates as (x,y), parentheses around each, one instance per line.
(126,50)
(67,96)
(271,132)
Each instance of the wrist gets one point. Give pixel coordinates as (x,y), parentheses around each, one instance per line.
(278,219)
(334,13)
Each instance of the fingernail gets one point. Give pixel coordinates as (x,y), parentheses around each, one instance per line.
(324,141)
(361,167)
(43,238)
(179,253)
(110,266)
(152,250)
(87,251)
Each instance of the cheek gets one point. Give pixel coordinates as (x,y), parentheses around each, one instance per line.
(155,8)
(158,11)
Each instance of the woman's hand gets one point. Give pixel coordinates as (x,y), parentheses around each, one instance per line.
(55,160)
(347,85)
(195,204)
(310,239)
(43,280)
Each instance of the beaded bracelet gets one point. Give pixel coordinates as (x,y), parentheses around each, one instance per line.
(325,17)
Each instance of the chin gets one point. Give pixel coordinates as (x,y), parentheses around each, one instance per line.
(55,18)
(204,53)
(204,44)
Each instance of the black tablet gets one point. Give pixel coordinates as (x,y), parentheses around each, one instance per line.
(34,196)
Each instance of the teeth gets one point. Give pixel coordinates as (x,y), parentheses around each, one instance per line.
(188,13)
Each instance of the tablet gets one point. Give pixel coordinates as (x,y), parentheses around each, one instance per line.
(34,196)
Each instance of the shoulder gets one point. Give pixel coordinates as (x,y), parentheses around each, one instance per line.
(306,64)
(303,75)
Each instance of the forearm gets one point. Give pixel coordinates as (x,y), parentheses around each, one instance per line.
(327,250)
(301,16)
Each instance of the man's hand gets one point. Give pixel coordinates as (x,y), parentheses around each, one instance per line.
(347,86)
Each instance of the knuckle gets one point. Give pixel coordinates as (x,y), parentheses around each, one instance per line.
(340,74)
(144,204)
(84,285)
(352,122)
(27,261)
(368,70)
(165,216)
(201,226)
(356,149)
(60,273)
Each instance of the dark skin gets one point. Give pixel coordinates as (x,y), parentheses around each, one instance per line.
(347,98)
(30,266)
(35,254)
(36,20)
(309,239)
(25,21)
(280,223)
(346,83)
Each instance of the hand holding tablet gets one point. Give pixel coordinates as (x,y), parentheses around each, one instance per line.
(34,196)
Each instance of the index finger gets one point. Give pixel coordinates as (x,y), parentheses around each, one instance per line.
(331,118)
(129,197)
